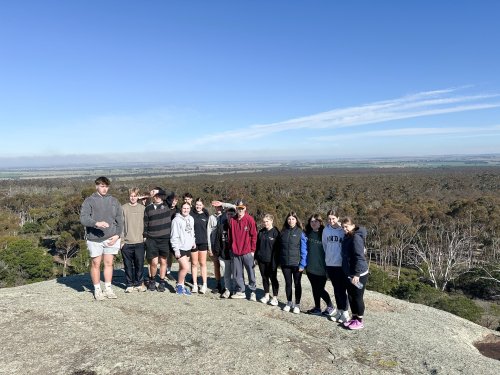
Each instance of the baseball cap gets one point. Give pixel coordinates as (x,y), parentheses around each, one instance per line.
(240,203)
(161,192)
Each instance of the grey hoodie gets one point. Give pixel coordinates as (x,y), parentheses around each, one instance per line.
(101,208)
(332,243)
(182,234)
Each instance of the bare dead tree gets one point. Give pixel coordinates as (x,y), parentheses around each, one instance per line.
(441,253)
(491,274)
(67,247)
(403,236)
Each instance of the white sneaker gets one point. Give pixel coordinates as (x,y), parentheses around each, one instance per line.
(226,294)
(203,289)
(108,292)
(129,289)
(264,299)
(274,301)
(253,297)
(336,316)
(343,317)
(296,309)
(288,306)
(331,311)
(141,288)
(194,289)
(238,295)
(99,295)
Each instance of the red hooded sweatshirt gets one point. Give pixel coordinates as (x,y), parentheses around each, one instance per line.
(242,235)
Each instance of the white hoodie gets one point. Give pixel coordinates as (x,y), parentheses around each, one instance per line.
(332,244)
(182,233)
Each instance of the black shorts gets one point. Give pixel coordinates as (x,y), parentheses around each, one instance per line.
(185,253)
(200,247)
(156,247)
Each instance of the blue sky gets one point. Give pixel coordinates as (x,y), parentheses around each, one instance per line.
(222,80)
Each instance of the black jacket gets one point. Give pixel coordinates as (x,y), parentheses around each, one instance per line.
(200,227)
(353,253)
(291,247)
(268,246)
(221,247)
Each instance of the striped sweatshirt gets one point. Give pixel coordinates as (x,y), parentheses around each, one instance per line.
(157,221)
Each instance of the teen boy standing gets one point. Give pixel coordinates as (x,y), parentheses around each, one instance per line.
(133,242)
(242,236)
(101,214)
(157,225)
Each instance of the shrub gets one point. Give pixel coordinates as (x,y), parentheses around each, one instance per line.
(416,292)
(473,284)
(380,281)
(31,228)
(460,306)
(81,261)
(24,259)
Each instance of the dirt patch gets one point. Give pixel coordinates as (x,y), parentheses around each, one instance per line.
(489,346)
(380,306)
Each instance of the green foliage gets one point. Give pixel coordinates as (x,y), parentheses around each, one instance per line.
(81,261)
(66,244)
(9,276)
(460,306)
(25,259)
(417,292)
(379,280)
(9,223)
(31,228)
(413,290)
(476,283)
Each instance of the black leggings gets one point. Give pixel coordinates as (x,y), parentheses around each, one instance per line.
(356,296)
(288,273)
(318,283)
(339,282)
(267,272)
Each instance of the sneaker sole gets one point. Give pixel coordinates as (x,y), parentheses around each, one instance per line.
(356,328)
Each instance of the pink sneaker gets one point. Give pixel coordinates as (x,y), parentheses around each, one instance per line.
(356,324)
(348,323)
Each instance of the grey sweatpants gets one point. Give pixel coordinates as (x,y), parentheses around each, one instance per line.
(227,266)
(240,261)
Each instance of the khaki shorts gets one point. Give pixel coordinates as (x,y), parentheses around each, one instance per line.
(96,249)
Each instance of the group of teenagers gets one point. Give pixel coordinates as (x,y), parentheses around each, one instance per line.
(154,226)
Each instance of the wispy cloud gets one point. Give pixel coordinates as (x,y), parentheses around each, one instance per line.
(428,103)
(406,132)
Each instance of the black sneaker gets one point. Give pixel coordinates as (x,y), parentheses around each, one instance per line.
(169,277)
(161,287)
(152,285)
(217,289)
(314,311)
